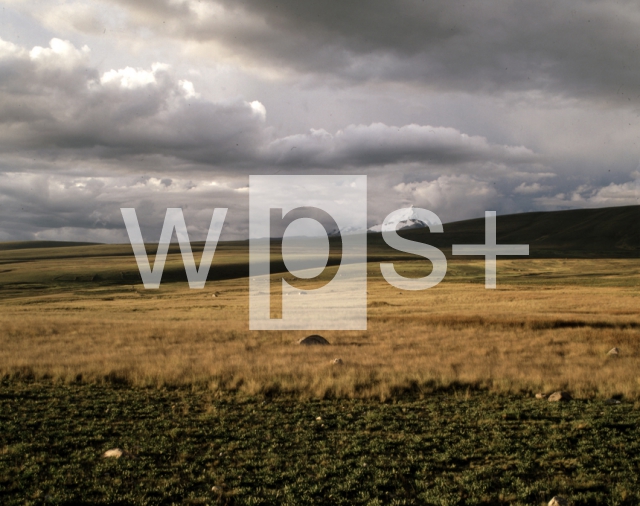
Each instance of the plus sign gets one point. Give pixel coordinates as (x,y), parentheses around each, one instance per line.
(490,250)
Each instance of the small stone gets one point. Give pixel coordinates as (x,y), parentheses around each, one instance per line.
(558,501)
(540,395)
(337,361)
(215,489)
(116,453)
(560,396)
(313,339)
(613,352)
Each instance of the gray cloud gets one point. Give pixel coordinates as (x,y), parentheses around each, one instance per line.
(41,206)
(447,192)
(51,99)
(380,144)
(586,196)
(571,48)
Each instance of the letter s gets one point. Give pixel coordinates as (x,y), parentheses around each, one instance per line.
(431,253)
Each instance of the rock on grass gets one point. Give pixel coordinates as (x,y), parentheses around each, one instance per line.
(560,396)
(313,339)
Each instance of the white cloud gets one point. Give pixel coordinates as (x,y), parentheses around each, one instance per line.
(188,89)
(60,53)
(450,197)
(584,196)
(128,78)
(525,189)
(259,109)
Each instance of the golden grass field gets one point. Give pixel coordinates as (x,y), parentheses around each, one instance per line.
(547,326)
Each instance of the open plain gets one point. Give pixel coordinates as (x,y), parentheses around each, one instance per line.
(433,404)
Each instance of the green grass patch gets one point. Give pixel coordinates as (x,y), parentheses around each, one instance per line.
(455,447)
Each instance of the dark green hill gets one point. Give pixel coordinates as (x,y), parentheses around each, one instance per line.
(611,232)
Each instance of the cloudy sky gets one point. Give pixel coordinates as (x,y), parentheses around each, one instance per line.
(455,106)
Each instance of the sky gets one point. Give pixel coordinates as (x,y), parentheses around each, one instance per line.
(457,107)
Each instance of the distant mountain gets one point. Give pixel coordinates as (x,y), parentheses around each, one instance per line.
(406,220)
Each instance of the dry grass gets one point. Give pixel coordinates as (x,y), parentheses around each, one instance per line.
(544,328)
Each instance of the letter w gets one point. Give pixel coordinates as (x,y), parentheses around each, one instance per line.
(174,219)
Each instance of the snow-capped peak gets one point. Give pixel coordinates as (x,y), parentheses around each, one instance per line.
(403,220)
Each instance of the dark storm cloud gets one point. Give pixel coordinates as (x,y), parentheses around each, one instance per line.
(571,47)
(67,108)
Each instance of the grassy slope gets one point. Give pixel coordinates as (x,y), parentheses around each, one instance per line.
(590,233)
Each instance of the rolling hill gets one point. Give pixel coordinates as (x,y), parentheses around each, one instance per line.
(611,232)
(586,233)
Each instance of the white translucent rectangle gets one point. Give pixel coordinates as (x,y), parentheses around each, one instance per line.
(341,304)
